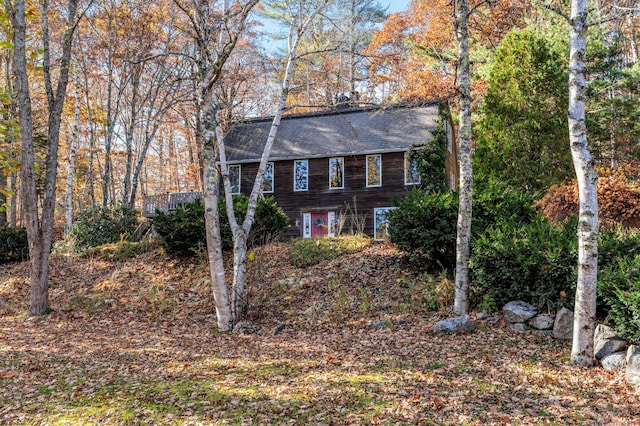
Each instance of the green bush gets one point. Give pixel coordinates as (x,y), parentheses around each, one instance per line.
(619,290)
(424,226)
(99,226)
(268,224)
(311,251)
(14,246)
(494,201)
(183,230)
(536,263)
(617,243)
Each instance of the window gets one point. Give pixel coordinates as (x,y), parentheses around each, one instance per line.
(268,184)
(449,132)
(411,175)
(452,181)
(301,175)
(336,173)
(374,170)
(306,225)
(234,178)
(381,223)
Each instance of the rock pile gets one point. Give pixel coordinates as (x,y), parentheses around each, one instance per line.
(613,352)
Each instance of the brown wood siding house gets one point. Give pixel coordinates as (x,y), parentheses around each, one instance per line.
(350,164)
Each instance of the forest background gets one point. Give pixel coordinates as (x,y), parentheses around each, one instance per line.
(128,121)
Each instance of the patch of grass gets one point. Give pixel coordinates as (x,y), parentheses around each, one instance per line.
(309,252)
(120,251)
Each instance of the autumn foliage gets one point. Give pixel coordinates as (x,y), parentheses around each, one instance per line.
(415,52)
(619,202)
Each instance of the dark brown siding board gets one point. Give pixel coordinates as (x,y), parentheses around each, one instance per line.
(320,198)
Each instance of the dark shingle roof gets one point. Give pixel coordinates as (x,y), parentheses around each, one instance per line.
(337,133)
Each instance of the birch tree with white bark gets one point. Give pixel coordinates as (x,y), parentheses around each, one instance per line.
(299,14)
(216,33)
(215,30)
(585,166)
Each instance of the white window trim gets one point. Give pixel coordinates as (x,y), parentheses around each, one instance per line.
(377,237)
(449,134)
(342,162)
(306,225)
(452,181)
(273,178)
(406,182)
(379,171)
(239,178)
(294,176)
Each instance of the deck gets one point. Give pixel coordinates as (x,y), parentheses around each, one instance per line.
(167,202)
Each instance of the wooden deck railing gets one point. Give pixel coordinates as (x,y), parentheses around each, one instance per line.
(167,202)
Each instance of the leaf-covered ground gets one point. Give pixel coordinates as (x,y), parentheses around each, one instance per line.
(135,343)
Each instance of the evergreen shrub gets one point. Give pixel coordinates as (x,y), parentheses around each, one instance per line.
(183,230)
(495,201)
(14,246)
(99,226)
(424,226)
(268,224)
(619,291)
(536,262)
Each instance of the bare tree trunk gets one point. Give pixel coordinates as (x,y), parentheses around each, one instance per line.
(10,179)
(463,240)
(39,289)
(3,198)
(72,157)
(211,182)
(141,157)
(13,200)
(106,177)
(4,174)
(39,232)
(129,134)
(92,134)
(585,303)
(634,38)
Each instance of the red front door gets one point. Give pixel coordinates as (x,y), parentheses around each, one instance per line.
(319,224)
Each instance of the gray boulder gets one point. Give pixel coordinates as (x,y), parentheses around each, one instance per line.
(614,361)
(277,329)
(633,367)
(542,322)
(518,311)
(563,325)
(606,341)
(518,326)
(244,327)
(453,325)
